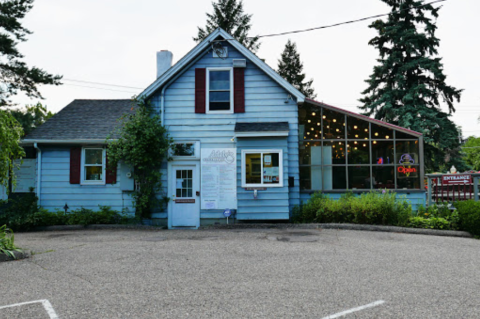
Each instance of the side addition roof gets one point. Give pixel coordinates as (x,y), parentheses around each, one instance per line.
(205,44)
(81,120)
(363,117)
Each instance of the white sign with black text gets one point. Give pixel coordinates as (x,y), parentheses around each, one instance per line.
(219,178)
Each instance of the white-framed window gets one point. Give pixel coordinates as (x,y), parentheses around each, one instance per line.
(262,168)
(219,90)
(185,150)
(93,165)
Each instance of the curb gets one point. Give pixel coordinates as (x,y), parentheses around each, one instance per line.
(18,255)
(392,229)
(97,227)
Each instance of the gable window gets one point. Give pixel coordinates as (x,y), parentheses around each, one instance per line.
(93,166)
(220,90)
(262,168)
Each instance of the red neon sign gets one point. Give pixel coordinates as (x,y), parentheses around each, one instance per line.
(406,170)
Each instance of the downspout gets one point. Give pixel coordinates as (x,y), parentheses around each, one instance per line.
(162,107)
(39,172)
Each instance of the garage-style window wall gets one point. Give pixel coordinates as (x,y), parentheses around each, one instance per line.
(342,152)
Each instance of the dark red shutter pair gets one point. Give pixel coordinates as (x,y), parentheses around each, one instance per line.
(75,168)
(238,90)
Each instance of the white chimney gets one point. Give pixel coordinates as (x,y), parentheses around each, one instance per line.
(164,61)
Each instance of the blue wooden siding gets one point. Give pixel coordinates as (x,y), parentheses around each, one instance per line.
(272,203)
(264,102)
(56,189)
(416,199)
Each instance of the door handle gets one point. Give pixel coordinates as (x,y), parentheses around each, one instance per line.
(197,193)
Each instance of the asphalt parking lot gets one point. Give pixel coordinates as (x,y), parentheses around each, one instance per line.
(241,274)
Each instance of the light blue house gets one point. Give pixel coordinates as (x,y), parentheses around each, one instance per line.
(246,140)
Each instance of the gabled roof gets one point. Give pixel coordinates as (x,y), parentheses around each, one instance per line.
(362,117)
(82,120)
(204,45)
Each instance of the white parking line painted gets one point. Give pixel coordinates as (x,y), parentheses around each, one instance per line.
(45,303)
(346,312)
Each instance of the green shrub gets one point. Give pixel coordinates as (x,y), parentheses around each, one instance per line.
(19,213)
(430,223)
(469,216)
(45,217)
(368,208)
(7,245)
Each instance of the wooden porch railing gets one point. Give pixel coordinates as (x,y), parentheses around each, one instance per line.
(452,187)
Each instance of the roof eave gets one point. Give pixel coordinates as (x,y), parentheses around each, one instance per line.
(66,141)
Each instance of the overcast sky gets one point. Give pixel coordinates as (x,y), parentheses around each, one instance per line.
(114,42)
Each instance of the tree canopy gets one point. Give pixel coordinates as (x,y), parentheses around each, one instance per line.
(291,69)
(472,152)
(16,76)
(408,86)
(10,149)
(31,116)
(229,15)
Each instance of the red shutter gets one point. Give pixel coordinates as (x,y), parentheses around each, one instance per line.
(75,162)
(111,172)
(200,90)
(239,90)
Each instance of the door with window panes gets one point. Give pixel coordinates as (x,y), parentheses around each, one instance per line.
(185,204)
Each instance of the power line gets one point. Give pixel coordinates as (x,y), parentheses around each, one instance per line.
(333,25)
(107,84)
(93,87)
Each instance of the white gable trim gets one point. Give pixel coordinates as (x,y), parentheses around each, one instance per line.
(199,49)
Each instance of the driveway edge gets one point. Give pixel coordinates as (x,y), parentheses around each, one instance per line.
(380,228)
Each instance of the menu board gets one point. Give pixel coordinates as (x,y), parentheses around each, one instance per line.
(25,176)
(219,178)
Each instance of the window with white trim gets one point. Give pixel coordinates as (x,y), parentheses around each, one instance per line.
(262,168)
(220,90)
(93,165)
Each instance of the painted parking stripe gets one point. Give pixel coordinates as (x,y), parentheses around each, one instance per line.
(45,303)
(349,311)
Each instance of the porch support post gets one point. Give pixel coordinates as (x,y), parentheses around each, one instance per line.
(475,187)
(429,189)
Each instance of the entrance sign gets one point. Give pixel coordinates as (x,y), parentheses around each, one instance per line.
(25,175)
(457,179)
(219,178)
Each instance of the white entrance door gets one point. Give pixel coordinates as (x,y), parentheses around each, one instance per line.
(186,203)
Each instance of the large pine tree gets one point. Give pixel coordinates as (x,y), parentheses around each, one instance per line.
(408,85)
(229,15)
(291,69)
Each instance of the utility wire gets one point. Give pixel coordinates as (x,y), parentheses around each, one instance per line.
(93,87)
(333,25)
(89,82)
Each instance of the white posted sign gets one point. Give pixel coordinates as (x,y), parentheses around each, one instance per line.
(219,178)
(25,176)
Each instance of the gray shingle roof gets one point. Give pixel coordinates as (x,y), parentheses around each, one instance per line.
(83,119)
(261,127)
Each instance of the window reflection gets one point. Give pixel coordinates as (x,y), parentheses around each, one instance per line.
(377,159)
